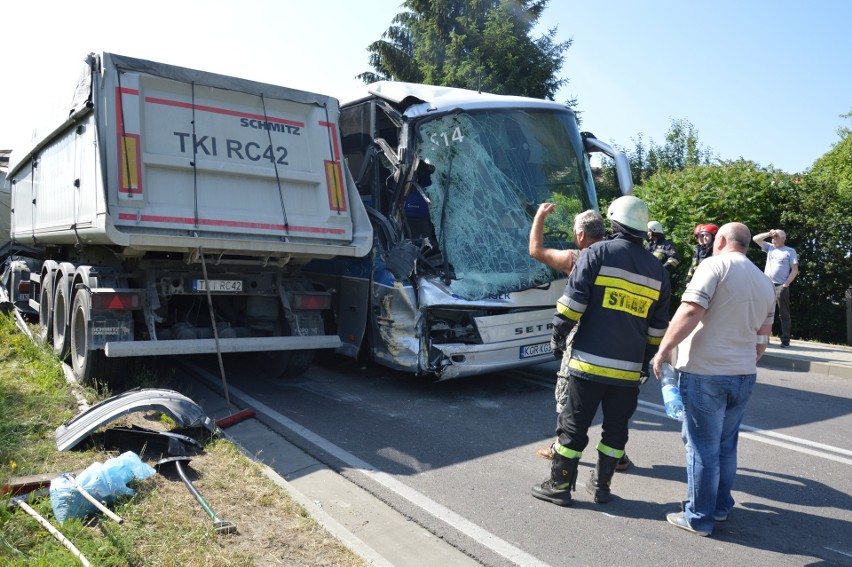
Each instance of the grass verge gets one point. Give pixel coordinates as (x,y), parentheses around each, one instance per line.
(163,523)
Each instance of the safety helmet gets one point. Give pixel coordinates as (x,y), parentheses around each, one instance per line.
(708,228)
(655,227)
(630,213)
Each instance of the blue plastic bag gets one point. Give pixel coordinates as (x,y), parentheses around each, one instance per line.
(105,481)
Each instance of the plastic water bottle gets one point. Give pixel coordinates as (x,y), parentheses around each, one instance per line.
(671,393)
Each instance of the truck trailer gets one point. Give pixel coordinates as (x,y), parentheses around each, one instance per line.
(173,212)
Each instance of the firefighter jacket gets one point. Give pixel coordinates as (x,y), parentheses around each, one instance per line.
(666,252)
(701,254)
(622,294)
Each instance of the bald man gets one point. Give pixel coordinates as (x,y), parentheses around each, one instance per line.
(721,329)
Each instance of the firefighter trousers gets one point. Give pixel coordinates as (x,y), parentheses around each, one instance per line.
(584,396)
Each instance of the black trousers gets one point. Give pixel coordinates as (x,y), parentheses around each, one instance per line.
(584,397)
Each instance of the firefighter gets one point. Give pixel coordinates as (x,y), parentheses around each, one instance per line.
(664,250)
(622,295)
(705,234)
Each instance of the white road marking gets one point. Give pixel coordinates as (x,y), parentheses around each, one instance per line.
(465,526)
(798,444)
(846,553)
(771,438)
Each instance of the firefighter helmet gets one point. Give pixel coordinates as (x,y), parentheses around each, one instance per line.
(655,227)
(630,213)
(708,228)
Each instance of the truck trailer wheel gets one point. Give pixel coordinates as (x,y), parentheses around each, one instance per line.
(89,365)
(61,319)
(297,363)
(45,309)
(278,363)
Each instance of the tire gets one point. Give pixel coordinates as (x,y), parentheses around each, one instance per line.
(62,317)
(45,309)
(277,363)
(89,365)
(298,363)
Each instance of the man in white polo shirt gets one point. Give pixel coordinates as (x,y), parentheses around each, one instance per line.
(782,267)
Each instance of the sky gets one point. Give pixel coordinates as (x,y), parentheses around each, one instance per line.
(765,80)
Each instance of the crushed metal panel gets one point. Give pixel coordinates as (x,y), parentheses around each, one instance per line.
(475,360)
(184,412)
(394,323)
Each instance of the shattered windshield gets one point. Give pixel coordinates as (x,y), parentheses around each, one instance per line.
(492,170)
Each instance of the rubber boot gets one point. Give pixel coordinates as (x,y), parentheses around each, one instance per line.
(563,478)
(598,485)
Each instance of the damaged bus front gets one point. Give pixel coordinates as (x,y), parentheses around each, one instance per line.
(452,180)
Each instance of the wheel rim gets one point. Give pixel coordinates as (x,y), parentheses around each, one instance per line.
(45,301)
(61,319)
(79,335)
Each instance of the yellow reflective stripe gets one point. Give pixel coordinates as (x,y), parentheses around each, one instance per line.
(568,312)
(631,277)
(607,450)
(568,453)
(638,289)
(654,340)
(604,371)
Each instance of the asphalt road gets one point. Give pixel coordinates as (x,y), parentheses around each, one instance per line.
(459,459)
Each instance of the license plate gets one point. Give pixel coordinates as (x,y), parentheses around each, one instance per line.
(539,349)
(232,286)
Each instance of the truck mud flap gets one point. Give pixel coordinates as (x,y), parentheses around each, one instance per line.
(184,412)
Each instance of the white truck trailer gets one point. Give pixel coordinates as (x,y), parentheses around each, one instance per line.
(174,210)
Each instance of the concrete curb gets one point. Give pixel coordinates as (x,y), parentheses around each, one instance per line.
(370,528)
(332,526)
(803,364)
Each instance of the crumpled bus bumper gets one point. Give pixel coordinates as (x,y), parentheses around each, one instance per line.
(460,360)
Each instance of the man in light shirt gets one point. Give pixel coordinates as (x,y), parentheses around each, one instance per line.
(722,327)
(782,267)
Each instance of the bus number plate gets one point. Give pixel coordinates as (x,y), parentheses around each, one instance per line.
(539,349)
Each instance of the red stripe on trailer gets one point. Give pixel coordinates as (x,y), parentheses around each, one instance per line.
(228,223)
(333,172)
(333,133)
(129,153)
(225,111)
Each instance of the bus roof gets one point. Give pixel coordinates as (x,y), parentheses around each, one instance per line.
(427,99)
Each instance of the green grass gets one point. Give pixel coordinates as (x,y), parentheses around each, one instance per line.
(163,524)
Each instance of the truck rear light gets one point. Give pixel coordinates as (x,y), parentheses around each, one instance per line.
(320,301)
(24,286)
(116,301)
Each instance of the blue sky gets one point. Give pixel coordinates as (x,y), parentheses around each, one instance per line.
(766,80)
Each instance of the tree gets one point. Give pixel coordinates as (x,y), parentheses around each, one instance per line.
(738,190)
(813,209)
(681,150)
(818,215)
(474,44)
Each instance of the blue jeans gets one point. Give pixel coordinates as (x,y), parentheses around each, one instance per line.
(714,410)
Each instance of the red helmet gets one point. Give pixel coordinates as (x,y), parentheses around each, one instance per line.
(708,228)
